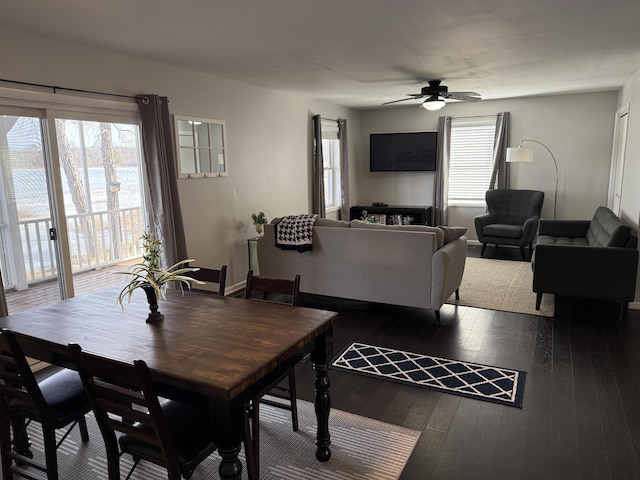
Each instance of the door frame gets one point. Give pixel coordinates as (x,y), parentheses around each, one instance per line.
(618,154)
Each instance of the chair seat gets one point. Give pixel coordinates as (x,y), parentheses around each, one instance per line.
(503,230)
(189,430)
(64,395)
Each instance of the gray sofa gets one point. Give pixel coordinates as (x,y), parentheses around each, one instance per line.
(592,259)
(412,265)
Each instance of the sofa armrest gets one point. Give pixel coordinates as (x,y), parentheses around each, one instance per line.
(597,272)
(564,228)
(530,226)
(482,221)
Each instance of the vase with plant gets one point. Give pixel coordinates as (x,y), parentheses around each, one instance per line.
(258,221)
(152,278)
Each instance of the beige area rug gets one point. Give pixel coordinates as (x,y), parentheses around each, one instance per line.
(501,285)
(361,449)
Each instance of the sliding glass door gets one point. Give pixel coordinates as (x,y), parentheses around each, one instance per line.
(71,204)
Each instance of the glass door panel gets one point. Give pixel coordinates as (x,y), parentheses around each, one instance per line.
(28,258)
(101,181)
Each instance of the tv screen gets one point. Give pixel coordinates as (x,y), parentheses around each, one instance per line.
(403,152)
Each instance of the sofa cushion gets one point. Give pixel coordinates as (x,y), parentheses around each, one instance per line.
(451,233)
(551,240)
(329,222)
(408,228)
(607,230)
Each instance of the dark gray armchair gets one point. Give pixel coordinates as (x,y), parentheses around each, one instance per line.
(511,219)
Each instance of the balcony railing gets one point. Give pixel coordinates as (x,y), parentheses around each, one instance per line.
(95,240)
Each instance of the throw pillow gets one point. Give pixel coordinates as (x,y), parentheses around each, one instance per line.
(407,228)
(451,233)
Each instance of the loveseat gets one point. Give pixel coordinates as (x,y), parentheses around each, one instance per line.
(410,265)
(595,258)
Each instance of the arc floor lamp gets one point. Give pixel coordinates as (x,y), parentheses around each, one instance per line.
(522,154)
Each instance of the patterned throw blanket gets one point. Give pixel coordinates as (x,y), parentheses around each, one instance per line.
(295,232)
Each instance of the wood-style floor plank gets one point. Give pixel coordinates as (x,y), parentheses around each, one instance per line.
(581,410)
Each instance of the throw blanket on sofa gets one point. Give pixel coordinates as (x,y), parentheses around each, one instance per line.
(295,232)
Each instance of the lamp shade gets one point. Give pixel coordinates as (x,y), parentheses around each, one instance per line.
(520,154)
(432,103)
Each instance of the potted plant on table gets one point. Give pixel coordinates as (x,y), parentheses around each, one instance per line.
(258,221)
(154,279)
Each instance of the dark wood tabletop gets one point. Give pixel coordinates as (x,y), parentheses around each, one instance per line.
(220,347)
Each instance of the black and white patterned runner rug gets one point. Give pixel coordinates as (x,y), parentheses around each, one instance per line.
(482,382)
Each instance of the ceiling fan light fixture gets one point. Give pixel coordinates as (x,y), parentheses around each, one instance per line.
(434,102)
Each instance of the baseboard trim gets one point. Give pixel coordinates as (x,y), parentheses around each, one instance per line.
(634,305)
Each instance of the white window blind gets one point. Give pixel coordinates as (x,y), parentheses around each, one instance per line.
(470,160)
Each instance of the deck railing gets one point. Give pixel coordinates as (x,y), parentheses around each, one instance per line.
(95,240)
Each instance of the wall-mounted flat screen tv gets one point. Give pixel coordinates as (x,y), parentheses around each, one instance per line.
(403,152)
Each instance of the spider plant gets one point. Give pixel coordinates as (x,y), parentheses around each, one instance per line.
(149,274)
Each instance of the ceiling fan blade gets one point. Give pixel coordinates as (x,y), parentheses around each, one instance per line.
(411,97)
(470,96)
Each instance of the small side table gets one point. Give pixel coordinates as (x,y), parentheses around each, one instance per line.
(249,249)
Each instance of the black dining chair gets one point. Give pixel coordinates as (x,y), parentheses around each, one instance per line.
(55,402)
(208,276)
(124,399)
(282,291)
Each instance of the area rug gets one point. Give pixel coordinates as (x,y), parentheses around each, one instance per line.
(504,285)
(482,382)
(361,448)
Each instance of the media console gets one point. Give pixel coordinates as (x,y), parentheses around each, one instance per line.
(394,214)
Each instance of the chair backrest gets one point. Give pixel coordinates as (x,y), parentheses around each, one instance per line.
(514,206)
(269,285)
(124,399)
(17,380)
(210,275)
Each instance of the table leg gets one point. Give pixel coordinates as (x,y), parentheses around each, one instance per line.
(230,466)
(228,432)
(320,358)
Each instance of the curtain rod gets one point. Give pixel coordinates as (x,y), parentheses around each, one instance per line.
(77,90)
(473,116)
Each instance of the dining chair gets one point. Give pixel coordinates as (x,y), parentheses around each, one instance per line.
(55,402)
(282,291)
(210,275)
(124,400)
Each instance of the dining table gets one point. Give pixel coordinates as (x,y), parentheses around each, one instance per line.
(220,350)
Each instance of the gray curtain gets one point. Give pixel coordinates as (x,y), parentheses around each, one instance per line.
(318,169)
(441,191)
(160,167)
(500,171)
(4,311)
(344,170)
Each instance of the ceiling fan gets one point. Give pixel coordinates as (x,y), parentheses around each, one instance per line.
(437,94)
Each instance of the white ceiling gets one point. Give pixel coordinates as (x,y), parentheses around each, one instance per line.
(361,53)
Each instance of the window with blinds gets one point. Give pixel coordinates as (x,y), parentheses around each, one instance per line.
(470,160)
(331,157)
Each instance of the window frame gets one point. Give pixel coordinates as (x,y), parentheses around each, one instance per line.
(331,165)
(193,154)
(461,152)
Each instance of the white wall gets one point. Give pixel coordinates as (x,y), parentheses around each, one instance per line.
(578,129)
(630,201)
(268,136)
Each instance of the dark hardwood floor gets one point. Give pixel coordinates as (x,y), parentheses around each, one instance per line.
(581,411)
